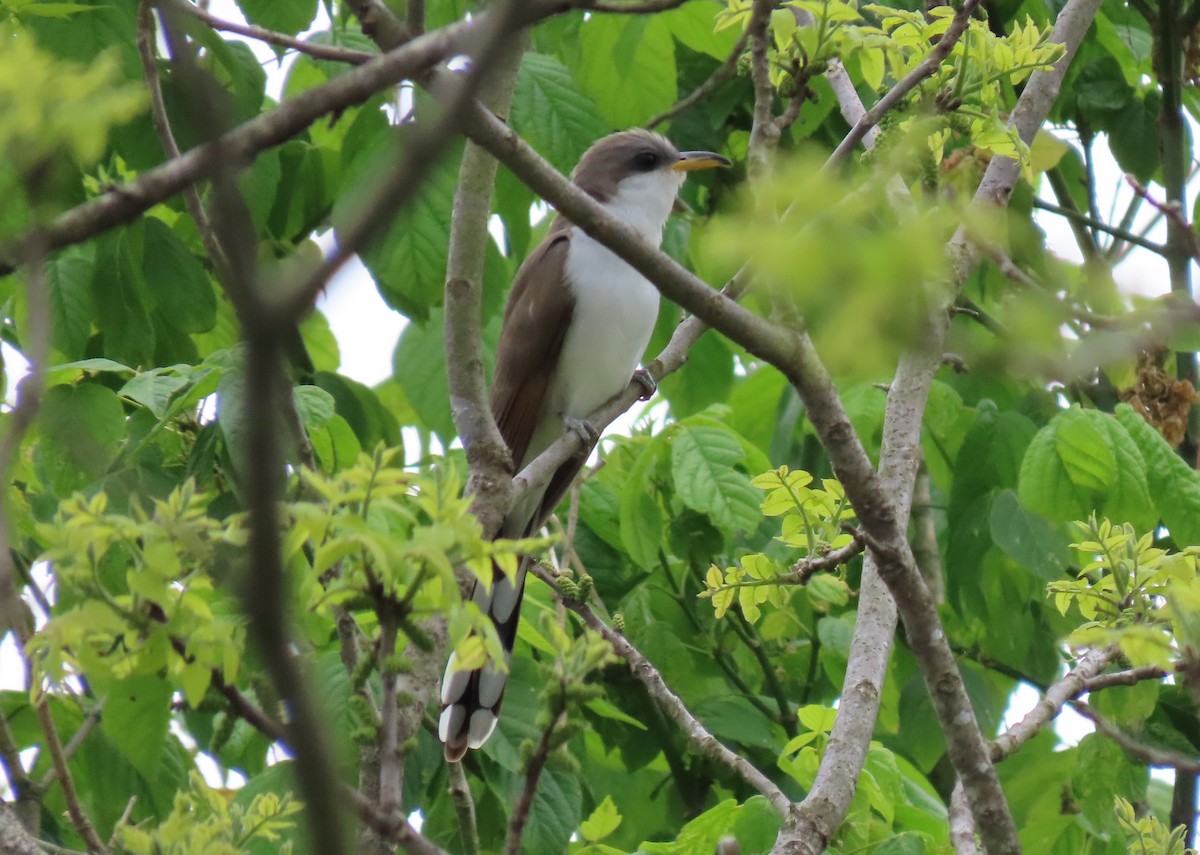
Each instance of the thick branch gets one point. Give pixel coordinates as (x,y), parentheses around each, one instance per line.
(487,455)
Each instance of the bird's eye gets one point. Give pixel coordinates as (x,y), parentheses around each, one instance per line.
(647,160)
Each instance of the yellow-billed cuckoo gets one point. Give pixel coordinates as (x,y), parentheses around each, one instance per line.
(577,322)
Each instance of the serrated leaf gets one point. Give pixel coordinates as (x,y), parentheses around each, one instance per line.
(702,465)
(177,282)
(550,111)
(641,517)
(1174,485)
(605,819)
(68,281)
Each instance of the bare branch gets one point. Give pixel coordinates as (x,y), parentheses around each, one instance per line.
(394,826)
(14,837)
(806,568)
(81,733)
(893,96)
(1051,704)
(1151,755)
(673,707)
(487,456)
(646,7)
(262,34)
(1123,678)
(962,823)
(1079,217)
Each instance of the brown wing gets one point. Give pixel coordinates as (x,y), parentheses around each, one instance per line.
(529,347)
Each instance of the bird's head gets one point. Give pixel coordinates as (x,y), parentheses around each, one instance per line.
(636,174)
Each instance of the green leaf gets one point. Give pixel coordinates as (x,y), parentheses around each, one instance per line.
(80,429)
(1086,458)
(556,811)
(627,63)
(361,408)
(408,259)
(1027,538)
(1174,485)
(176,281)
(706,378)
(285,16)
(905,843)
(122,300)
(136,714)
(552,114)
(703,457)
(153,389)
(69,280)
(641,517)
(701,835)
(419,367)
(335,445)
(604,821)
(314,405)
(692,25)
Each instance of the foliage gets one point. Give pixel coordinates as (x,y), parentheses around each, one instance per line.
(127,500)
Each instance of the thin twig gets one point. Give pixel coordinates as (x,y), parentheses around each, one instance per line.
(76,740)
(720,74)
(262,34)
(893,96)
(1174,215)
(804,569)
(1130,677)
(1099,225)
(533,774)
(699,736)
(1150,755)
(646,7)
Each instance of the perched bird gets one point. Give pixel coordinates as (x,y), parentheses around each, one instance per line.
(577,323)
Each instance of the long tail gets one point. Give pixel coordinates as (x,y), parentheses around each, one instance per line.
(471,699)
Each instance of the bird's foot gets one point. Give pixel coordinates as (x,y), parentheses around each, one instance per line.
(584,429)
(646,380)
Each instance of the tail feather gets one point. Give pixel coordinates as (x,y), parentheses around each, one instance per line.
(471,699)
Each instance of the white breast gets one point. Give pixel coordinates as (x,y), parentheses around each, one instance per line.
(615,309)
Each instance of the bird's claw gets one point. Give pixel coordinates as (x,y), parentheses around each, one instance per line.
(646,380)
(584,430)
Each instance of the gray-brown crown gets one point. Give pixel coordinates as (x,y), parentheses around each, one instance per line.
(619,155)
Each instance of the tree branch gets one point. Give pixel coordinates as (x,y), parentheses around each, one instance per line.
(672,706)
(464,807)
(1151,755)
(488,459)
(1100,225)
(238,147)
(262,34)
(1047,709)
